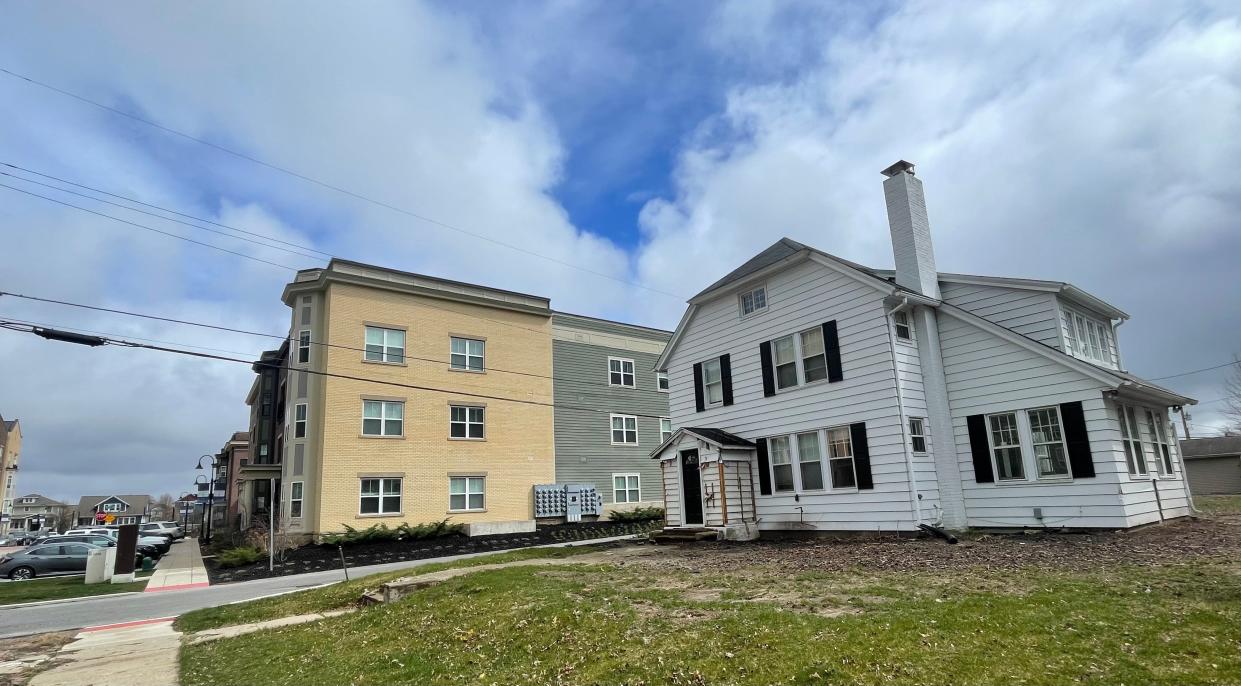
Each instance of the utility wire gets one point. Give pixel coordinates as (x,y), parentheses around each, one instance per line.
(149,228)
(1204,369)
(26,328)
(438,361)
(167,219)
(338,189)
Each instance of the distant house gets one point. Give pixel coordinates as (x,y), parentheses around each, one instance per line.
(34,512)
(126,509)
(813,393)
(1213,465)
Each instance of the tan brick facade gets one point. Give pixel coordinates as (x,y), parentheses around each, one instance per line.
(516,452)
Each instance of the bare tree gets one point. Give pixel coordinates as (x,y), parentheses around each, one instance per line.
(1232,394)
(164,508)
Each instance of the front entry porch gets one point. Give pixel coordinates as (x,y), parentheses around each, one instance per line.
(709,485)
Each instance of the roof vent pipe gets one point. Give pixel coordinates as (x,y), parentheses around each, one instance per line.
(911,230)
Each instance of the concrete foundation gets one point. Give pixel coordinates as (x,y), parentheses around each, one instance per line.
(520,526)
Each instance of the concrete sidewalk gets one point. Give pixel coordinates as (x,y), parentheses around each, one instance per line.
(143,653)
(182,568)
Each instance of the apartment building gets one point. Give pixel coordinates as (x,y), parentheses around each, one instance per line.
(412,399)
(10,449)
(611,407)
(257,478)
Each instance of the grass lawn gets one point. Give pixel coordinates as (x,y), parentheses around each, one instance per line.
(343,594)
(1218,504)
(672,623)
(55,588)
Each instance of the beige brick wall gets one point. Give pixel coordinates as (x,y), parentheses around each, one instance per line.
(517,451)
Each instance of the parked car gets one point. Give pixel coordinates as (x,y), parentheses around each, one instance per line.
(161,529)
(146,549)
(160,543)
(48,559)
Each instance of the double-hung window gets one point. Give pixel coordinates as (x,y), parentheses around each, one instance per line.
(1159,439)
(712,382)
(382,417)
(465,421)
(295,499)
(810,461)
(299,420)
(799,358)
(467,354)
(754,300)
(620,372)
(901,321)
(467,493)
(1046,435)
(1130,437)
(626,488)
(380,496)
(385,345)
(840,454)
(917,434)
(303,346)
(665,429)
(781,463)
(661,381)
(1006,447)
(624,429)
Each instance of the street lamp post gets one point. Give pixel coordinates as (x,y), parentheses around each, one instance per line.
(210,492)
(202,515)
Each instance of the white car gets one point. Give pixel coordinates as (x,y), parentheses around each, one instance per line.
(171,529)
(161,543)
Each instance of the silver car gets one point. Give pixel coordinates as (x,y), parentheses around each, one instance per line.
(46,559)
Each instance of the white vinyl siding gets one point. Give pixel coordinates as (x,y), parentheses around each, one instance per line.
(1035,314)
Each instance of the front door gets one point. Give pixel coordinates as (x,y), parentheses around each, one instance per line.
(691,488)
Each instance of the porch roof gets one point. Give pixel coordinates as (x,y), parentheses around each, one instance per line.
(716,437)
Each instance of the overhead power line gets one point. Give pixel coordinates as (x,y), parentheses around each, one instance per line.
(104,341)
(1195,371)
(324,184)
(149,228)
(247,332)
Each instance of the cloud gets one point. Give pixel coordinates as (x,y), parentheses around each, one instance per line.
(1081,143)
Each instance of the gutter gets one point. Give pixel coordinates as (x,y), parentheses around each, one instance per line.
(915,498)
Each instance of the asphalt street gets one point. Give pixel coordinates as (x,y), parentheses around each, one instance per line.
(100,610)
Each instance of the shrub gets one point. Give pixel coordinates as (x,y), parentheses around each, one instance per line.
(380,533)
(638,514)
(238,557)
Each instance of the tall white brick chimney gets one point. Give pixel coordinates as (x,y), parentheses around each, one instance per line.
(911,230)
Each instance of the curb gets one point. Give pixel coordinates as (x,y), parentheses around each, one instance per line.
(178,587)
(61,601)
(127,625)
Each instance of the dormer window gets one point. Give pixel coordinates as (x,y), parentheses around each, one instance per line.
(754,300)
(1088,338)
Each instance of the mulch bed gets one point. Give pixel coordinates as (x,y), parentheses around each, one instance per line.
(316,558)
(1215,538)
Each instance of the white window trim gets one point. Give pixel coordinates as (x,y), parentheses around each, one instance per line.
(468,492)
(303,345)
(1135,435)
(467,423)
(662,376)
(623,417)
(383,353)
(625,476)
(825,458)
(918,434)
(1025,442)
(304,421)
(665,435)
(750,292)
(1075,334)
(299,501)
(798,361)
(381,512)
(1167,470)
(911,340)
(468,355)
(633,373)
(706,397)
(383,418)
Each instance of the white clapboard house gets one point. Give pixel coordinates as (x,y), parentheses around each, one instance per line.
(812,393)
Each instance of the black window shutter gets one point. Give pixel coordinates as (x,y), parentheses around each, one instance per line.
(831,343)
(698,402)
(764,468)
(769,377)
(977,425)
(861,456)
(1074,420)
(726,375)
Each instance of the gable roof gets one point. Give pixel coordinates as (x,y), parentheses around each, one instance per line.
(40,501)
(1221,446)
(773,254)
(716,437)
(1060,287)
(135,503)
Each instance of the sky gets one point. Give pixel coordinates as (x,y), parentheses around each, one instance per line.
(652,145)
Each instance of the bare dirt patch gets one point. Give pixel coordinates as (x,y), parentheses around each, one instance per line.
(22,658)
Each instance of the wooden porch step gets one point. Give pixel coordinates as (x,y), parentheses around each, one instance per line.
(685,535)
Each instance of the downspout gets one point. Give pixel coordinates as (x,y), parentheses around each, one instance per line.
(1120,361)
(915,505)
(723,489)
